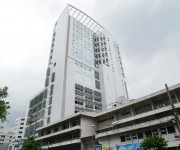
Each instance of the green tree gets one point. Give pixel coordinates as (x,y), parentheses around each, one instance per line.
(4,106)
(31,145)
(155,141)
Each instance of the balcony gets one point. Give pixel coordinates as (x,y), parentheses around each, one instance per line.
(146,114)
(134,127)
(61,144)
(59,132)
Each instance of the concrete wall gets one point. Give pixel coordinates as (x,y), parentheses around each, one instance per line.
(59,57)
(86,126)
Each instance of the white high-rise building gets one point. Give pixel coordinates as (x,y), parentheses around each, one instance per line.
(6,138)
(18,134)
(85,71)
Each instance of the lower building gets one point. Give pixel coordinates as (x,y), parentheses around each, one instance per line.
(18,134)
(5,139)
(123,125)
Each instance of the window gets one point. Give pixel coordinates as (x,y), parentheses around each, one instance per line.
(50,100)
(79,87)
(51,92)
(49,110)
(97,84)
(76,135)
(128,137)
(96,75)
(134,136)
(54,64)
(45,93)
(19,137)
(20,132)
(155,132)
(47,82)
(56,129)
(170,129)
(21,128)
(52,86)
(148,133)
(21,123)
(123,138)
(78,103)
(53,77)
(48,72)
(140,135)
(44,104)
(65,126)
(143,109)
(48,120)
(75,122)
(163,130)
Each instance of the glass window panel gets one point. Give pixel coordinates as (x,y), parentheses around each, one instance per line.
(53,77)
(79,54)
(155,132)
(128,137)
(170,129)
(140,135)
(97,84)
(148,133)
(79,47)
(134,136)
(79,40)
(123,139)
(163,130)
(88,59)
(96,75)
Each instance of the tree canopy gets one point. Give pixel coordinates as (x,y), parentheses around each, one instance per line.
(31,145)
(4,106)
(157,142)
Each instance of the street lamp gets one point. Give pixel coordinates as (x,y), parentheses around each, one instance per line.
(92,136)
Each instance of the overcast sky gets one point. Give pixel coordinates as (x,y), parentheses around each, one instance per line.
(148,32)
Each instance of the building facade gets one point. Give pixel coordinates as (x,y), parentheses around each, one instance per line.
(5,139)
(122,126)
(35,114)
(85,70)
(18,134)
(84,73)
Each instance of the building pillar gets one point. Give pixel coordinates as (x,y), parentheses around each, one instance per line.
(132,111)
(152,105)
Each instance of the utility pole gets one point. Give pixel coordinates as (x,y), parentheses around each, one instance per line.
(175,113)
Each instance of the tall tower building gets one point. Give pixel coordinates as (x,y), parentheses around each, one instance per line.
(85,70)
